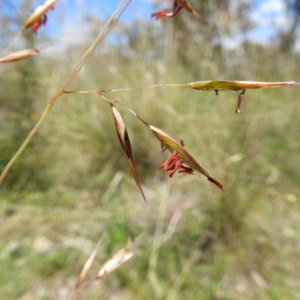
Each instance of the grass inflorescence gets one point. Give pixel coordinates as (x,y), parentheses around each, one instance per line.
(72,184)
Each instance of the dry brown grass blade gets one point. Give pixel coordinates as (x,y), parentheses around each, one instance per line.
(126,146)
(116,260)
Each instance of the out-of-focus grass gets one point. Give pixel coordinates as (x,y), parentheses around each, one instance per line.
(197,242)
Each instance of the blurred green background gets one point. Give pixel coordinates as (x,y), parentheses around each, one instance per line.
(72,185)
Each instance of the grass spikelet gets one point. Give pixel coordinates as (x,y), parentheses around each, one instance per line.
(178,5)
(19,55)
(174,147)
(39,12)
(116,261)
(126,146)
(231,85)
(85,270)
(179,153)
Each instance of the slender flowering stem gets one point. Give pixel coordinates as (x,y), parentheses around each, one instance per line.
(89,52)
(145,87)
(25,143)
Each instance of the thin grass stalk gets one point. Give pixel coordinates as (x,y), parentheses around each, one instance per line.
(89,52)
(12,42)
(145,87)
(26,142)
(77,68)
(207,85)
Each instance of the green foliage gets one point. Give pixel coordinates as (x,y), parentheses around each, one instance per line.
(49,264)
(66,186)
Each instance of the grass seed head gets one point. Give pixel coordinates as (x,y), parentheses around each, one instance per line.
(38,18)
(116,261)
(126,146)
(179,156)
(19,55)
